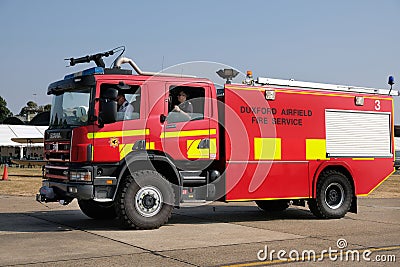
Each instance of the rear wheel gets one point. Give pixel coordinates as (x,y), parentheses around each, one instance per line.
(334,196)
(97,210)
(272,205)
(145,200)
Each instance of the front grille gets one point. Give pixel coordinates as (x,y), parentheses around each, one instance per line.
(57,151)
(57,145)
(61,146)
(56,172)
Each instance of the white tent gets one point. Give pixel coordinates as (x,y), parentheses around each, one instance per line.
(21,133)
(21,141)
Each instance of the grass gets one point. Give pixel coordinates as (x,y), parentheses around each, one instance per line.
(27,181)
(388,189)
(21,181)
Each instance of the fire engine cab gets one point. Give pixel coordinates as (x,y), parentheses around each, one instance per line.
(133,147)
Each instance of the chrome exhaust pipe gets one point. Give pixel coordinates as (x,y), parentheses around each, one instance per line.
(125,60)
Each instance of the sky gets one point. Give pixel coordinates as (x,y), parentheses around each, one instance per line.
(340,42)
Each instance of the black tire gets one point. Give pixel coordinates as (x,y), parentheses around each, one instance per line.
(97,210)
(334,196)
(145,200)
(272,205)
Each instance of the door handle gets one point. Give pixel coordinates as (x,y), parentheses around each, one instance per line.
(163,118)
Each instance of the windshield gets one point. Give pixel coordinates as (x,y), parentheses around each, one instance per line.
(70,108)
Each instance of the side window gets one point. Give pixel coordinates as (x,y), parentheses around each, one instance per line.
(186,103)
(128,101)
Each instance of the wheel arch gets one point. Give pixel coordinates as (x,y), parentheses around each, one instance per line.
(340,167)
(151,160)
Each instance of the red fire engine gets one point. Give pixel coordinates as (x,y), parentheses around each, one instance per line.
(275,142)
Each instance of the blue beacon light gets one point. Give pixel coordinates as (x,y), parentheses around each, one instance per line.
(391,82)
(91,71)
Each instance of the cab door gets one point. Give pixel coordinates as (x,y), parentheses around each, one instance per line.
(189,139)
(113,141)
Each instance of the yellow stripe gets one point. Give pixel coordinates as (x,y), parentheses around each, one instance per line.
(270,198)
(364,195)
(150,145)
(125,133)
(267,148)
(188,133)
(363,158)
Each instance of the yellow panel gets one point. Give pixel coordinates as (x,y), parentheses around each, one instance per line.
(213,146)
(315,149)
(124,149)
(267,148)
(196,153)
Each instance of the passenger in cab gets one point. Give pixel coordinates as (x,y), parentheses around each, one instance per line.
(185,107)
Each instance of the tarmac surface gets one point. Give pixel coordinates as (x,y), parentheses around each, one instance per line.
(218,234)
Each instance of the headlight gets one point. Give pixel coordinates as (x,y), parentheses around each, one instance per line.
(80,175)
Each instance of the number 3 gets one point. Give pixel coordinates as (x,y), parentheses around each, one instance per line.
(377,105)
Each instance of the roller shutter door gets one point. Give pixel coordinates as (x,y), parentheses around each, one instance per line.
(357,134)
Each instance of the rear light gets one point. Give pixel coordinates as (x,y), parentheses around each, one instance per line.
(270,94)
(80,176)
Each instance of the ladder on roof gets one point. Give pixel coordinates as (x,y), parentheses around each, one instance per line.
(325,86)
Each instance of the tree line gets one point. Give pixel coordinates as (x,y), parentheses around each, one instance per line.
(30,108)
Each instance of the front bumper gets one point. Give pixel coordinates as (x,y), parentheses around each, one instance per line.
(102,190)
(55,191)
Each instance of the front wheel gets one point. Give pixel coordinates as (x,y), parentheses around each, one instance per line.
(145,200)
(334,196)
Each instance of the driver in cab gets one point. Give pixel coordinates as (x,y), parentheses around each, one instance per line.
(124,107)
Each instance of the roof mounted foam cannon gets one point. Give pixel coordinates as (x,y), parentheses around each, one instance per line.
(97,58)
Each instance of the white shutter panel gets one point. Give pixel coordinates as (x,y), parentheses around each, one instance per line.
(357,134)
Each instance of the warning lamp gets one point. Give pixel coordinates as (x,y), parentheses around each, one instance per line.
(270,94)
(249,78)
(391,82)
(359,100)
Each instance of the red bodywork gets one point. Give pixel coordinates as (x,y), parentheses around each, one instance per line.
(292,175)
(261,151)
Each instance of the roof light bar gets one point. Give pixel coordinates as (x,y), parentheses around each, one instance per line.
(91,71)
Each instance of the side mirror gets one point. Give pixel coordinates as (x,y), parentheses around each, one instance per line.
(108,113)
(108,106)
(109,93)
